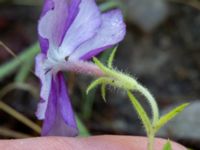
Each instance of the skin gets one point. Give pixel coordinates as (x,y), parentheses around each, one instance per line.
(106,142)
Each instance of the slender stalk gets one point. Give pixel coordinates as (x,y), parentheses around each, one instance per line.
(151,138)
(151,101)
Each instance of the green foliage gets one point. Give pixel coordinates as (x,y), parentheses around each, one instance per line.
(103,92)
(11,66)
(141,112)
(121,80)
(83,131)
(167,146)
(87,107)
(95,83)
(24,71)
(112,55)
(110,4)
(90,97)
(164,119)
(100,65)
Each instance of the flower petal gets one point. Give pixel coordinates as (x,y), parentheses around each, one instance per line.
(45,79)
(48,5)
(44,43)
(83,28)
(111,32)
(57,16)
(59,120)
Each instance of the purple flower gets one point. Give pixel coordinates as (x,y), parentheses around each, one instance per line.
(70,32)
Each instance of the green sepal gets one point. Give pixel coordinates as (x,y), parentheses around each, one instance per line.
(141,113)
(102,80)
(100,65)
(167,117)
(111,57)
(103,92)
(167,146)
(94,84)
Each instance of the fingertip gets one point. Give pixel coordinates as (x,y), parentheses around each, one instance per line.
(129,142)
(107,142)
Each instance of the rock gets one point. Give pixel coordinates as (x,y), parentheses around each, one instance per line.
(184,126)
(146,13)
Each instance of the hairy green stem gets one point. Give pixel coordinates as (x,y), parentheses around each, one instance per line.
(144,91)
(126,82)
(151,138)
(113,77)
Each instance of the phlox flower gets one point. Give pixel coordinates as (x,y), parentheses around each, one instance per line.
(70,33)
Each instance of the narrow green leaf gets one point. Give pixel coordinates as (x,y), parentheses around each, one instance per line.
(112,55)
(108,5)
(24,71)
(103,92)
(141,113)
(83,131)
(87,107)
(164,119)
(105,55)
(167,146)
(12,65)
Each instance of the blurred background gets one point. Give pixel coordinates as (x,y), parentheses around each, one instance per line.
(161,49)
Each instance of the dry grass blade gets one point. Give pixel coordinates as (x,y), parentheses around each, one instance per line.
(193,3)
(12,53)
(13,134)
(20,86)
(8,49)
(20,117)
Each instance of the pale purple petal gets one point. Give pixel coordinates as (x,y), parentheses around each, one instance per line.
(83,28)
(59,118)
(65,107)
(111,32)
(45,79)
(48,5)
(44,43)
(55,21)
(51,111)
